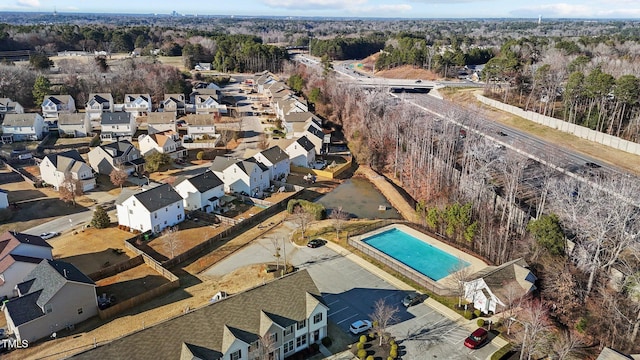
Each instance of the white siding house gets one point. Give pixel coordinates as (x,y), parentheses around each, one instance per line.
(19,255)
(158,122)
(7,106)
(200,126)
(164,144)
(245,176)
(151,210)
(277,160)
(201,192)
(137,104)
(97,104)
(76,125)
(55,167)
(302,152)
(54,105)
(174,103)
(23,127)
(117,125)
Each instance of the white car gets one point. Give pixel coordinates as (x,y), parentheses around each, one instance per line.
(360,326)
(49,235)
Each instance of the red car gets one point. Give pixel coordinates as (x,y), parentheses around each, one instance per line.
(476,339)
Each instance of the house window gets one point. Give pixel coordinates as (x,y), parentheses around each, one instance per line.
(166,209)
(236,355)
(288,330)
(273,338)
(130,212)
(317,318)
(288,347)
(134,203)
(302,324)
(79,311)
(155,215)
(301,340)
(179,216)
(165,222)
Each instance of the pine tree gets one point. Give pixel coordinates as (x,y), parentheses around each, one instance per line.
(100,218)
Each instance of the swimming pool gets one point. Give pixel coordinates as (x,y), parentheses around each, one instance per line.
(415,253)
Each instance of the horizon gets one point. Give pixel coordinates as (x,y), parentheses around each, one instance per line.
(359,9)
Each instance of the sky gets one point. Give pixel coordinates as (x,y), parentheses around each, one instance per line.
(591,9)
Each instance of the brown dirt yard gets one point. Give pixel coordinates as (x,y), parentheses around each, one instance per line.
(35,206)
(130,283)
(190,234)
(92,249)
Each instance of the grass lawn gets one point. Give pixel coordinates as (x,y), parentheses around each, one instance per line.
(92,249)
(130,283)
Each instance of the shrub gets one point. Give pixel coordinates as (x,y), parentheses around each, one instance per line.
(95,141)
(480,322)
(394,346)
(317,210)
(477,312)
(393,353)
(581,326)
(360,345)
(370,357)
(326,341)
(100,218)
(389,358)
(362,353)
(314,348)
(468,315)
(363,338)
(392,342)
(200,155)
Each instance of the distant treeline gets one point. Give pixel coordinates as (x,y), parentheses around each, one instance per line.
(341,48)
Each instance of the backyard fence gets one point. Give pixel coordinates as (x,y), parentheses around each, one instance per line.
(116,268)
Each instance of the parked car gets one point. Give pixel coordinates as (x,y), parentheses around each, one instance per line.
(411,299)
(49,235)
(360,326)
(502,133)
(463,133)
(592,165)
(315,243)
(476,339)
(418,81)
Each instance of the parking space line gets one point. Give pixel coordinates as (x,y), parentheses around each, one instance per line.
(333,302)
(334,313)
(350,317)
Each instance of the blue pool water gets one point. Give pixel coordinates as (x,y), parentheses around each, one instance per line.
(415,253)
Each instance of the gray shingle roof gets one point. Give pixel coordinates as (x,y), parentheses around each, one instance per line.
(71,119)
(120,146)
(19,120)
(158,197)
(42,283)
(205,327)
(248,165)
(109,118)
(25,238)
(275,154)
(65,160)
(220,163)
(205,181)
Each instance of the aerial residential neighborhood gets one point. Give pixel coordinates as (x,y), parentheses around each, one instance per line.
(182,186)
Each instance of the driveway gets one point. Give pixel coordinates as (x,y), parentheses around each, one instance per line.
(350,291)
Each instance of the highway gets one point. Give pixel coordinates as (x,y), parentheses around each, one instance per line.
(561,159)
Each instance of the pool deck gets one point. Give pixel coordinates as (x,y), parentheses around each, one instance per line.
(475,264)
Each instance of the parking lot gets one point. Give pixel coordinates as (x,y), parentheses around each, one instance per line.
(350,291)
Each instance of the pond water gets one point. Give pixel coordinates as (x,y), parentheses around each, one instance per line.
(361,199)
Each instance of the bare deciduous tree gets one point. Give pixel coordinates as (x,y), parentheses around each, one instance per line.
(302,219)
(459,274)
(118,177)
(338,216)
(70,188)
(383,316)
(171,241)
